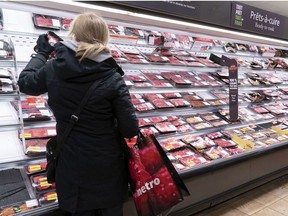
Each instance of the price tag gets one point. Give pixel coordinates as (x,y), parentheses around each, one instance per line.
(51,132)
(36,149)
(56,23)
(1,44)
(26,135)
(245,144)
(31,203)
(52,196)
(35,167)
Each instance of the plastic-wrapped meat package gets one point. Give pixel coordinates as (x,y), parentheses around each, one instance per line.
(191,96)
(40,183)
(215,135)
(144,122)
(175,61)
(169,36)
(169,75)
(151,97)
(199,104)
(161,84)
(202,143)
(46,22)
(171,144)
(158,119)
(260,110)
(158,58)
(186,58)
(146,131)
(223,152)
(136,78)
(33,133)
(34,147)
(212,153)
(178,166)
(133,58)
(218,123)
(216,102)
(35,168)
(191,161)
(193,119)
(178,122)
(180,81)
(165,127)
(153,76)
(136,96)
(144,107)
(179,102)
(172,95)
(224,142)
(137,101)
(162,103)
(235,150)
(194,64)
(142,84)
(210,116)
(202,125)
(191,138)
(36,114)
(184,41)
(206,77)
(182,153)
(184,128)
(172,118)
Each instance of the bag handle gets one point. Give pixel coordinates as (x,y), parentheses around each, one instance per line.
(74,117)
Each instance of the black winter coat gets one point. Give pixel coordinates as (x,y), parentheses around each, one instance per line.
(91,171)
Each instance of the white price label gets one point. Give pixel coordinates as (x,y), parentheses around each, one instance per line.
(51,132)
(31,203)
(56,23)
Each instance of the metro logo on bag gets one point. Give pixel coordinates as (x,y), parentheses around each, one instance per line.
(155,184)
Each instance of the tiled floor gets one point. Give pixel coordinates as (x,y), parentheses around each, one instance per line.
(270,199)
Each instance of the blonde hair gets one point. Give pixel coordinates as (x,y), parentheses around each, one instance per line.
(92,34)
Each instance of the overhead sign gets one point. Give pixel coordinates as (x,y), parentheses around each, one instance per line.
(248,18)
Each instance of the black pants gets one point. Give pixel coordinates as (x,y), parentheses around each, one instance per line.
(114,211)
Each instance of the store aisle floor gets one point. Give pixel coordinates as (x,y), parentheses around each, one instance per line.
(270,199)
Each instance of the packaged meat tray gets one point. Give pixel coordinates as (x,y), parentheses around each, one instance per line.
(172,95)
(191,161)
(179,81)
(36,115)
(40,183)
(161,84)
(224,142)
(136,58)
(144,122)
(175,61)
(137,101)
(47,198)
(235,150)
(199,104)
(144,107)
(162,103)
(218,123)
(202,125)
(152,97)
(193,119)
(191,96)
(46,22)
(35,168)
(152,76)
(179,102)
(191,138)
(182,153)
(136,96)
(165,127)
(34,133)
(142,84)
(217,102)
(260,110)
(158,119)
(171,144)
(210,116)
(215,135)
(178,122)
(172,118)
(282,138)
(35,147)
(137,78)
(184,128)
(155,58)
(212,153)
(146,131)
(202,143)
(179,166)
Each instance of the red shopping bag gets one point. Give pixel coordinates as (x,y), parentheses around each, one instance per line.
(155,184)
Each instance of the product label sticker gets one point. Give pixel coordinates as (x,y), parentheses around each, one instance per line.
(56,23)
(31,203)
(51,132)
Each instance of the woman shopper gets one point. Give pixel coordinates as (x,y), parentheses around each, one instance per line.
(91,175)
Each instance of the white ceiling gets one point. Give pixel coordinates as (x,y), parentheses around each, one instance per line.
(279,7)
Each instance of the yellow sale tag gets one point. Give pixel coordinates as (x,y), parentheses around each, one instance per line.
(279,130)
(26,135)
(245,144)
(32,168)
(33,148)
(44,184)
(52,196)
(42,179)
